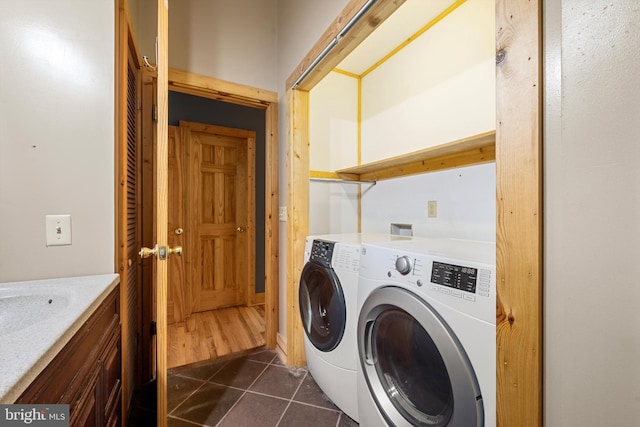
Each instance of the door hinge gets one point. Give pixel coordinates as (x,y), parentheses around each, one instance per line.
(154,328)
(154,112)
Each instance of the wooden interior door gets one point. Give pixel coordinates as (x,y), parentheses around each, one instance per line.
(128,219)
(221,214)
(178,292)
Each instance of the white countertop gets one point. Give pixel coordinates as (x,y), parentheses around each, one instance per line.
(32,332)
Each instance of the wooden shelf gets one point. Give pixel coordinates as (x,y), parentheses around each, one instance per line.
(473,150)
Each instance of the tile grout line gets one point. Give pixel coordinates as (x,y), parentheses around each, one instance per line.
(188,396)
(194,391)
(292,396)
(186,420)
(245,392)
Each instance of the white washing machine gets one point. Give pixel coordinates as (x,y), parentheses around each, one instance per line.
(328,309)
(426,334)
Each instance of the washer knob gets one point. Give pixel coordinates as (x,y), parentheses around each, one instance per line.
(403,265)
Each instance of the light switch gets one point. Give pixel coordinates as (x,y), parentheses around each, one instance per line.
(282,213)
(58,229)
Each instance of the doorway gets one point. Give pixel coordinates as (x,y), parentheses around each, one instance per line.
(215,304)
(266,224)
(195,332)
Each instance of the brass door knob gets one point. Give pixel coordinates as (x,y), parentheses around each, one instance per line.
(146,252)
(177,250)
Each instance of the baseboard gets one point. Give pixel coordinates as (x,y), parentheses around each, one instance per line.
(256,299)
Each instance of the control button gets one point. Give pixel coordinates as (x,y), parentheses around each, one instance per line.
(456,293)
(469,297)
(433,288)
(445,291)
(484,294)
(404,265)
(419,283)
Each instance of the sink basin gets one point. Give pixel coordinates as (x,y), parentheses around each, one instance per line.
(21,311)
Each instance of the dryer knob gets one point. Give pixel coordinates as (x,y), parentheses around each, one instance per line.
(403,265)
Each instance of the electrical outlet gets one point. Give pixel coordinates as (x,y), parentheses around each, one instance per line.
(282,213)
(58,229)
(432,209)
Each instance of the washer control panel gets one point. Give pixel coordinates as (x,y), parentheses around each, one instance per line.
(454,276)
(462,280)
(404,265)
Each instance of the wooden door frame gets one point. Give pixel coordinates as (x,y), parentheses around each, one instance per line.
(220,90)
(235,93)
(518,194)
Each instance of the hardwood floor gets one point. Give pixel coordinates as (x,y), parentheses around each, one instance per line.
(215,333)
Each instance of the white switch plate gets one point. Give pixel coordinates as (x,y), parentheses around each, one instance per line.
(432,209)
(282,213)
(58,229)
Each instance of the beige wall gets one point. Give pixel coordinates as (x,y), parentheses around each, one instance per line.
(592,213)
(229,40)
(56,136)
(300,25)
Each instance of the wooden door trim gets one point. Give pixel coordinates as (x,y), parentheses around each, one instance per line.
(161,185)
(221,90)
(519,317)
(518,205)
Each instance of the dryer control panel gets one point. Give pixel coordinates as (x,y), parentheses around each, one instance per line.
(322,252)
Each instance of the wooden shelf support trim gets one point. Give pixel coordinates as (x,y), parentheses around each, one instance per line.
(473,150)
(220,90)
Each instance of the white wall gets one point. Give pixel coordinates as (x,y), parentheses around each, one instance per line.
(439,88)
(466,204)
(333,134)
(592,213)
(300,25)
(56,136)
(229,40)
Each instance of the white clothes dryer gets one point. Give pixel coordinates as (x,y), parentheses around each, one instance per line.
(328,310)
(426,334)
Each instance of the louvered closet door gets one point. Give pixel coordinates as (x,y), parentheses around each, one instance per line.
(133,273)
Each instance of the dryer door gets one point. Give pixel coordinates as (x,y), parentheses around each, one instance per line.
(415,368)
(322,306)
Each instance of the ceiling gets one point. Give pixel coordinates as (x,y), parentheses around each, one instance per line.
(402,24)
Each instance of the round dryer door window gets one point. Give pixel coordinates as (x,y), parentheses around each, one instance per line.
(322,306)
(415,368)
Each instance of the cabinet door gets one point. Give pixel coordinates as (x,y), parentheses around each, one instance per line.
(86,411)
(112,385)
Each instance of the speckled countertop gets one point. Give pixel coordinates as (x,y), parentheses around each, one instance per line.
(37,319)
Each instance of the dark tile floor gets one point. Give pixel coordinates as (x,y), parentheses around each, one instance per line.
(253,389)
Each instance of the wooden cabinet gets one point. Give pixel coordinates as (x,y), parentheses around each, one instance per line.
(86,374)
